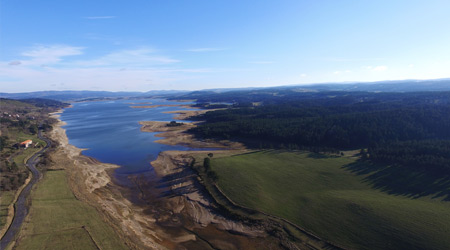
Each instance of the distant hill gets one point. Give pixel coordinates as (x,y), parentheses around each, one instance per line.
(87,95)
(382,86)
(314,91)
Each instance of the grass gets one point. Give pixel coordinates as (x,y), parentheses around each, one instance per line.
(57,220)
(26,153)
(323,196)
(6,199)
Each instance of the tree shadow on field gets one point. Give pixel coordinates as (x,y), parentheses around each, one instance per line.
(321,156)
(405,181)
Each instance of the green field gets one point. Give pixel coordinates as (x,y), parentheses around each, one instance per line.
(57,220)
(322,195)
(27,153)
(6,199)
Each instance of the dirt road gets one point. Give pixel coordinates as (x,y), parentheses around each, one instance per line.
(20,207)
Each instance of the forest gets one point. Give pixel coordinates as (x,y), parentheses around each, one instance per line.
(401,128)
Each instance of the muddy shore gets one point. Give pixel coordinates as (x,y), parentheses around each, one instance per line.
(177,135)
(166,211)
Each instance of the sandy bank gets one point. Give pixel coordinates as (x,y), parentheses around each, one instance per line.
(178,136)
(177,217)
(190,198)
(186,114)
(91,182)
(187,195)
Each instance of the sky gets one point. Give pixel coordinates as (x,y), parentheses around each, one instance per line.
(143,45)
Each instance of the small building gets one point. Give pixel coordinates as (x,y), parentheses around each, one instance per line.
(26,143)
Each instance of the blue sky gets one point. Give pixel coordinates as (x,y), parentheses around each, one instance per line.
(153,45)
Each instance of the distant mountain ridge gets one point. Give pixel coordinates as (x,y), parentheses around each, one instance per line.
(79,95)
(380,86)
(385,86)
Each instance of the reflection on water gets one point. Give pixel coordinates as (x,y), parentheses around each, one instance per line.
(111,132)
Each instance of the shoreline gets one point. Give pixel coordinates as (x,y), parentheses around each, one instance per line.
(177,135)
(98,189)
(153,222)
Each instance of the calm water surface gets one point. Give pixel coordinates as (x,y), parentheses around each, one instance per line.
(111,132)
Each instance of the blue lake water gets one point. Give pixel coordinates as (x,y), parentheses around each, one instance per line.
(111,132)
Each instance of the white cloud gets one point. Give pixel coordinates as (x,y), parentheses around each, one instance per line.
(338,72)
(53,51)
(143,57)
(46,67)
(99,17)
(40,55)
(380,68)
(205,49)
(105,78)
(303,75)
(376,68)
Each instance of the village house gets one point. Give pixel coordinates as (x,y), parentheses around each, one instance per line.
(26,143)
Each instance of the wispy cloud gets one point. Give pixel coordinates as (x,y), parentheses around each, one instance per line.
(376,68)
(261,62)
(53,51)
(46,67)
(49,54)
(205,49)
(337,72)
(142,57)
(380,68)
(99,17)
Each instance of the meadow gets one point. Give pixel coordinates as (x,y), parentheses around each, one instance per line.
(324,195)
(57,220)
(19,156)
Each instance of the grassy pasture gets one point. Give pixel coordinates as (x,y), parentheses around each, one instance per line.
(27,153)
(322,195)
(6,199)
(57,220)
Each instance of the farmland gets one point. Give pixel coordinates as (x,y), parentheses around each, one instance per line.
(58,220)
(325,195)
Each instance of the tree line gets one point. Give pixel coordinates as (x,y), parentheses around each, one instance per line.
(419,126)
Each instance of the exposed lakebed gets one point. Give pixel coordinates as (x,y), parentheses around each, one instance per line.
(111,133)
(172,210)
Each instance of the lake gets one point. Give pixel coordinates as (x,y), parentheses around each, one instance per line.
(110,131)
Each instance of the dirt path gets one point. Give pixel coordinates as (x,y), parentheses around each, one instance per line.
(21,206)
